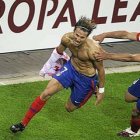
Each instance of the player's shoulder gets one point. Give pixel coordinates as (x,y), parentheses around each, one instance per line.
(67,37)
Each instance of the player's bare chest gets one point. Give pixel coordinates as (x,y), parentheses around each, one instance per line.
(79,52)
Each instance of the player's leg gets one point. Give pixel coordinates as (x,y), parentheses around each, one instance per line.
(70,107)
(77,100)
(52,87)
(130,98)
(81,91)
(60,80)
(134,129)
(135,118)
(133,95)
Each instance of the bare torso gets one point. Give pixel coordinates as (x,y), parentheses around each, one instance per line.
(82,57)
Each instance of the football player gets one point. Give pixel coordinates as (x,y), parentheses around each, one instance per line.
(133,92)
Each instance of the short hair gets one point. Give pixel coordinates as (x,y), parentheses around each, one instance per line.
(85,24)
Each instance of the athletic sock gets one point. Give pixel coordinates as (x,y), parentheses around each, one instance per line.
(35,107)
(135,124)
(135,120)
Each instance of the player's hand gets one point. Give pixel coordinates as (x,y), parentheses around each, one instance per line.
(99,37)
(102,55)
(99,98)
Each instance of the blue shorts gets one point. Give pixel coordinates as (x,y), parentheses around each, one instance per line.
(82,87)
(134,89)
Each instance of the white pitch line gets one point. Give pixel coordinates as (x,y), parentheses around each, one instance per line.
(1,83)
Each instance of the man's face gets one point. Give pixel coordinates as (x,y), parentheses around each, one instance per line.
(79,37)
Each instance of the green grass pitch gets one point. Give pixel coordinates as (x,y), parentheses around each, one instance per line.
(91,122)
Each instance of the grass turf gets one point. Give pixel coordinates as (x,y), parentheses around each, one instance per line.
(54,123)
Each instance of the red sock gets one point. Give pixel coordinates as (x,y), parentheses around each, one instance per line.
(135,124)
(35,107)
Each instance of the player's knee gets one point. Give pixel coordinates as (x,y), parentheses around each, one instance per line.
(45,96)
(68,108)
(129,98)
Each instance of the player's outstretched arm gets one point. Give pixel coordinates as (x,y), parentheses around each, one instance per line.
(118,35)
(126,57)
